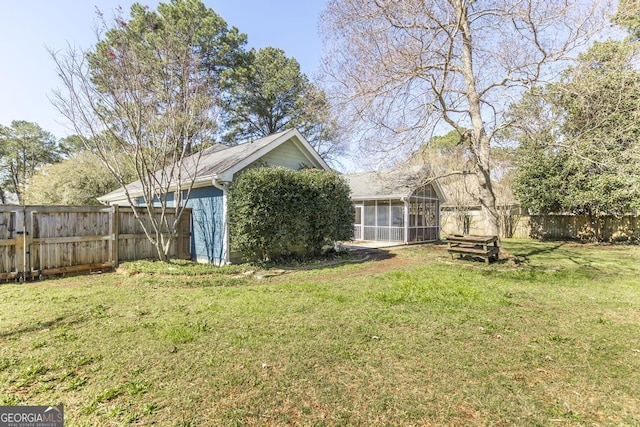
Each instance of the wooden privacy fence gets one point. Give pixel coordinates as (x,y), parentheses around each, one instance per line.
(606,228)
(37,241)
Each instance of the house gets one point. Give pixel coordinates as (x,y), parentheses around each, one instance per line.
(463,214)
(401,205)
(215,170)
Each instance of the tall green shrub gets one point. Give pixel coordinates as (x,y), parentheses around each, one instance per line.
(328,208)
(276,211)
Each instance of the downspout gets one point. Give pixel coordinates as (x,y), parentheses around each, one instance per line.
(224,187)
(406,219)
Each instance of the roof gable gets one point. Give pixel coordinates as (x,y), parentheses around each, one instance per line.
(221,163)
(251,152)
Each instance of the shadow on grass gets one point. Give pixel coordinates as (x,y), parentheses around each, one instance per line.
(40,326)
(354,256)
(523,255)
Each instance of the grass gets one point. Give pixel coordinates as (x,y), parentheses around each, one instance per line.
(413,339)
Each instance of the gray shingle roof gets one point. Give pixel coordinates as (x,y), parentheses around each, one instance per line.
(218,161)
(393,183)
(215,160)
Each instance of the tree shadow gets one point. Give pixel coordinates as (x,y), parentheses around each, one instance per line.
(536,251)
(41,326)
(350,256)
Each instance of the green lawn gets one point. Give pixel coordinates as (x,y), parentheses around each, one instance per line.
(413,339)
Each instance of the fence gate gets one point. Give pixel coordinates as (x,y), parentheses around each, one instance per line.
(36,241)
(9,259)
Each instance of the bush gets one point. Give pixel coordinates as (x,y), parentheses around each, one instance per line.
(276,211)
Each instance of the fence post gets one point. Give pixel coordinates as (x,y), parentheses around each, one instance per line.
(20,241)
(114,225)
(29,231)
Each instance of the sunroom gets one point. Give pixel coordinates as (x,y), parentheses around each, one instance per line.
(399,206)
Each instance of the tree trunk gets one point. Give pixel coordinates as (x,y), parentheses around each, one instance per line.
(487,199)
(162,242)
(479,141)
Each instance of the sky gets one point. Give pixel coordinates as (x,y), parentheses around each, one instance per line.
(29,27)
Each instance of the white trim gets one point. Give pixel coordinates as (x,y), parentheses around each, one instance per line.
(199,183)
(392,197)
(406,220)
(439,191)
(358,226)
(378,197)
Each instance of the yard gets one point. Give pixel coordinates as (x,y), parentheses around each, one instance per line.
(413,338)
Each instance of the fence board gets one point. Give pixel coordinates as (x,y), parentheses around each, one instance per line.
(41,240)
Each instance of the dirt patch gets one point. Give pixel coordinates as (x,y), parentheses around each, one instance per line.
(376,261)
(385,260)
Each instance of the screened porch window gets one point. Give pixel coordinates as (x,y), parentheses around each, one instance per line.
(383,214)
(397,214)
(370,213)
(383,220)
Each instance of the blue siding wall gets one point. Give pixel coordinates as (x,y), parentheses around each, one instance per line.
(170,202)
(206,225)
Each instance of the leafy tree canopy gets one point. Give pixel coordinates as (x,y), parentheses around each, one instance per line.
(176,29)
(77,180)
(159,74)
(70,145)
(580,138)
(628,17)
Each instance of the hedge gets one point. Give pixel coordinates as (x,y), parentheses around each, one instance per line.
(275,212)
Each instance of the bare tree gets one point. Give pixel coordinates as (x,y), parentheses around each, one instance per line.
(143,99)
(402,69)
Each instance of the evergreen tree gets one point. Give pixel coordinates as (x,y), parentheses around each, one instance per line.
(24,148)
(270,95)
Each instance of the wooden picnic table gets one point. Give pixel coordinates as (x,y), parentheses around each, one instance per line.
(485,247)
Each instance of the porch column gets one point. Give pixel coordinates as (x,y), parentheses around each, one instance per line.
(406,221)
(438,237)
